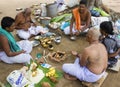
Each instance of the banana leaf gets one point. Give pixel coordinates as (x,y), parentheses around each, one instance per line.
(59,74)
(64,17)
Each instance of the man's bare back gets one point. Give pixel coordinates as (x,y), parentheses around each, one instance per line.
(97,58)
(91,63)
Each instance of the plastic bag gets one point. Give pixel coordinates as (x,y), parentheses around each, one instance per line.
(17,79)
(44,10)
(64,25)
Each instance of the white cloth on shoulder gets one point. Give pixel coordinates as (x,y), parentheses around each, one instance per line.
(31,31)
(82,73)
(21,58)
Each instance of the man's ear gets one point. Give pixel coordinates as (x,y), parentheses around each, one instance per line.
(7,28)
(90,36)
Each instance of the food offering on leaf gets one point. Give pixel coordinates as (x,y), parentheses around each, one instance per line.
(35,74)
(33,69)
(51,72)
(24,69)
(53,79)
(45,84)
(57,56)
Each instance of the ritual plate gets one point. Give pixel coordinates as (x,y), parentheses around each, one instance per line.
(35,43)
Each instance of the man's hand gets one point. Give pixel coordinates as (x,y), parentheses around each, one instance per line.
(83,28)
(33,24)
(77,33)
(74,53)
(26,26)
(71,33)
(23,51)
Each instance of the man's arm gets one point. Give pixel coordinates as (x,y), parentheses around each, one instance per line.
(114,54)
(6,47)
(84,57)
(88,20)
(17,21)
(71,24)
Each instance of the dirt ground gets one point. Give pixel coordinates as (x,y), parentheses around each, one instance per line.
(8,8)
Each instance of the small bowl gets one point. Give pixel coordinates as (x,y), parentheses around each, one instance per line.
(37,37)
(50,47)
(19,9)
(73,38)
(58,39)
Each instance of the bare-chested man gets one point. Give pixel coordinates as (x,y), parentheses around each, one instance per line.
(91,64)
(25,26)
(80,20)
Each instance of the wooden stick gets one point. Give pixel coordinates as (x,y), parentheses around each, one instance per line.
(44,56)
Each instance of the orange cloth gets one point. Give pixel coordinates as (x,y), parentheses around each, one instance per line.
(76,15)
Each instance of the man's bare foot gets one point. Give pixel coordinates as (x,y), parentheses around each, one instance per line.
(69,77)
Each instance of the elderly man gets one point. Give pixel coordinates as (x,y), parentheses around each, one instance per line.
(91,64)
(80,20)
(25,26)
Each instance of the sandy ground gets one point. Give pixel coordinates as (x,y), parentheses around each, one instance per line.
(113,4)
(8,8)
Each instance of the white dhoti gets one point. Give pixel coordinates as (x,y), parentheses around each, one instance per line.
(31,31)
(67,30)
(82,73)
(21,58)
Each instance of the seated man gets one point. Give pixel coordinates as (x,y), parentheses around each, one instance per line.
(10,50)
(91,64)
(25,26)
(80,20)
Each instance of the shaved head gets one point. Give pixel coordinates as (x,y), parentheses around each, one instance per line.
(27,11)
(94,33)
